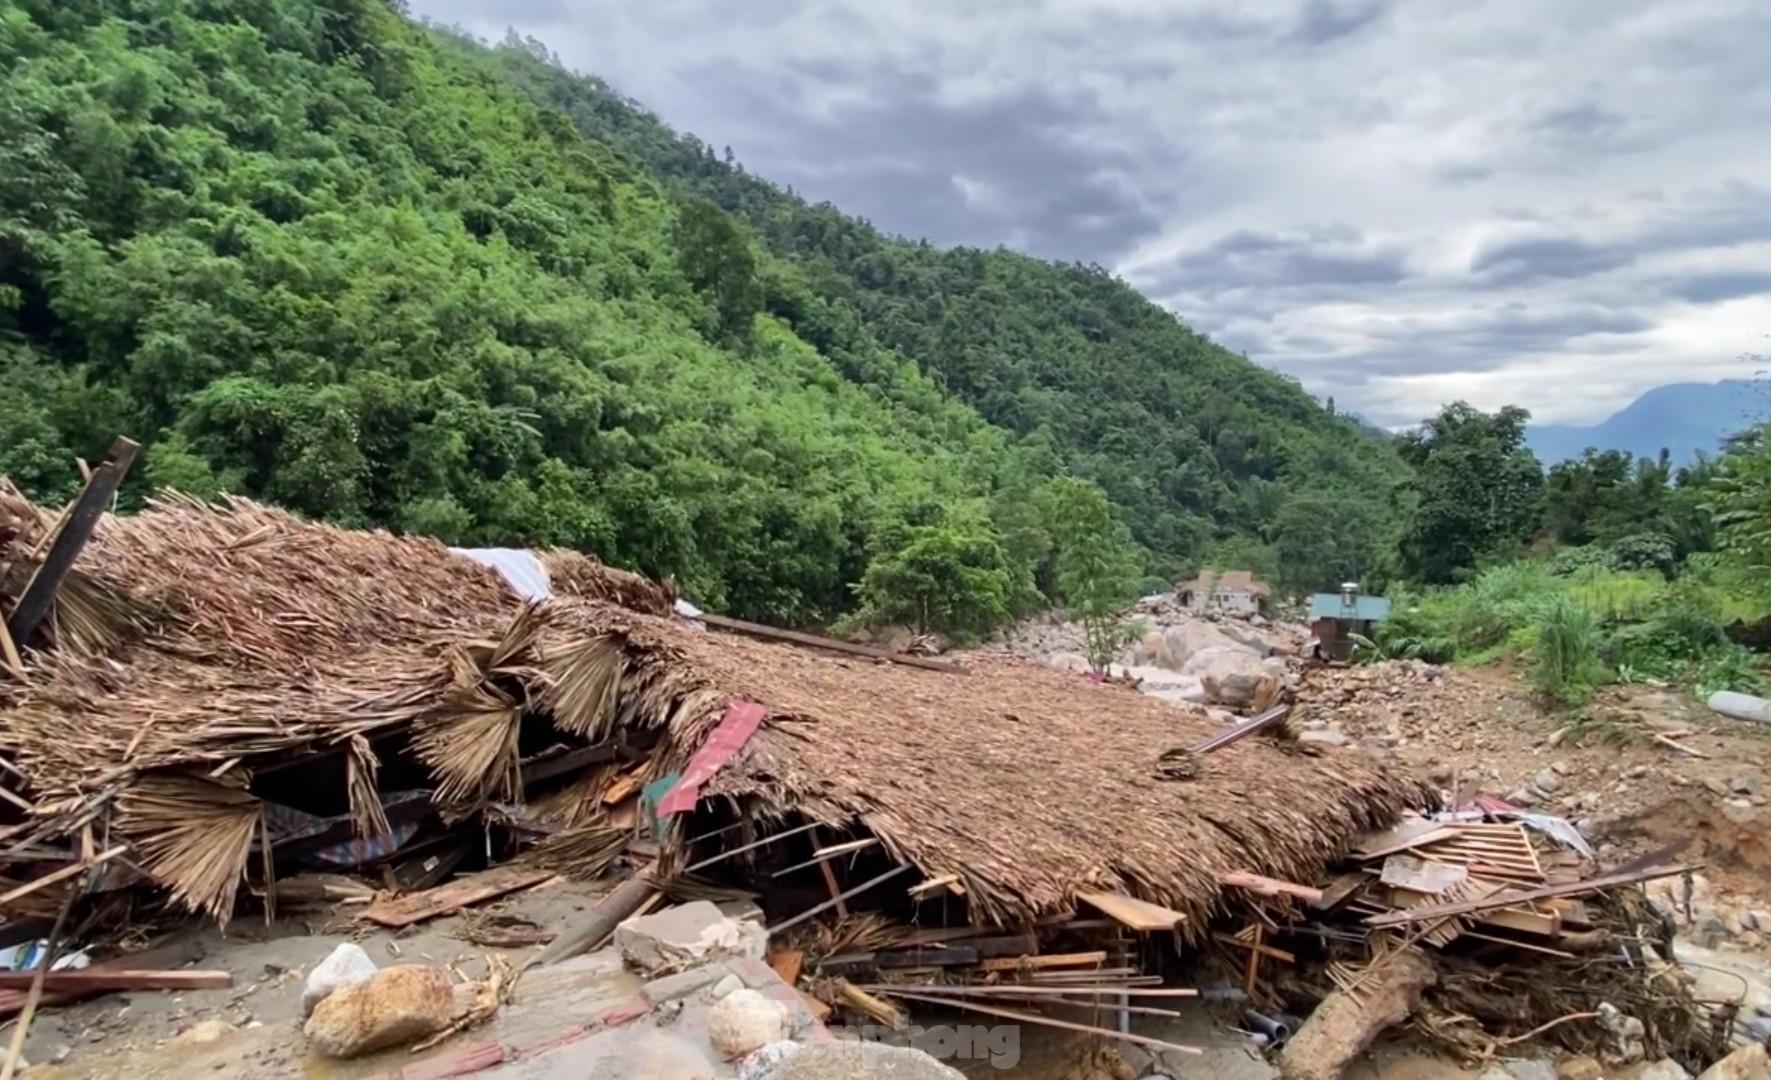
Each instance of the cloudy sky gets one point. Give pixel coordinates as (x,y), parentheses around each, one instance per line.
(1556,204)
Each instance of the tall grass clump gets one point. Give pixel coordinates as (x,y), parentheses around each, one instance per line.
(1565,661)
(1497,602)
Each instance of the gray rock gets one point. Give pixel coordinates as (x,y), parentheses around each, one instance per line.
(845,1060)
(1744,784)
(1547,781)
(685,935)
(1523,797)
(345,966)
(1324,738)
(744,1021)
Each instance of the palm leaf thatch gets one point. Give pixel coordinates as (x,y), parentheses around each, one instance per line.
(193,835)
(586,683)
(368,815)
(582,853)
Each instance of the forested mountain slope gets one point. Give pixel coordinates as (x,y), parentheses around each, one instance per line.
(1195,444)
(315,253)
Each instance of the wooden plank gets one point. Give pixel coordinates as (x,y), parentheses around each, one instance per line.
(866,1003)
(1257,948)
(1513,898)
(1046,1021)
(1341,889)
(771,633)
(541,769)
(1266,886)
(933,883)
(934,956)
(824,855)
(9,650)
(70,537)
(63,874)
(96,980)
(1132,912)
(1008,945)
(1039,963)
(1525,922)
(1402,839)
(1105,988)
(446,899)
(788,963)
(1413,872)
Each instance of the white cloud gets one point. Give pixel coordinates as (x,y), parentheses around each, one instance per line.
(1546,204)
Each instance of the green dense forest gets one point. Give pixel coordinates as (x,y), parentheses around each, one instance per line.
(319,254)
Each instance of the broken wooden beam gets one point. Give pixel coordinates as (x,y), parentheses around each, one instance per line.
(839,898)
(1037,963)
(831,852)
(1132,912)
(1045,1021)
(772,633)
(70,538)
(863,1002)
(97,980)
(1266,886)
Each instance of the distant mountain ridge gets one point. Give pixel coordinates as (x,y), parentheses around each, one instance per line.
(1684,418)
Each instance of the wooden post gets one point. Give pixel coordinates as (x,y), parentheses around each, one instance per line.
(76,528)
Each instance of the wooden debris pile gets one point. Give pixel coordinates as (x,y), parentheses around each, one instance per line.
(1522,937)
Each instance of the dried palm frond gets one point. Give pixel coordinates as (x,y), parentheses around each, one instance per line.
(582,853)
(576,804)
(472,748)
(859,932)
(360,768)
(686,887)
(92,619)
(194,836)
(489,995)
(586,685)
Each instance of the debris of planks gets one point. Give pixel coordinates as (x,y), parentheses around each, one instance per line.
(448,899)
(103,980)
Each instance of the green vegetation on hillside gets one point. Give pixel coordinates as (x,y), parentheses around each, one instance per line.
(318,254)
(1206,457)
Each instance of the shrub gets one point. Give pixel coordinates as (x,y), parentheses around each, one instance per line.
(1496,602)
(1565,657)
(1644,551)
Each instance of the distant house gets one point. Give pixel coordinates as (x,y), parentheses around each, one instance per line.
(1231,590)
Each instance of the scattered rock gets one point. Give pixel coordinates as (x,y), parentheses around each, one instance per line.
(1746,1063)
(397,1005)
(1528,1070)
(745,1020)
(347,965)
(847,1060)
(1547,781)
(687,934)
(1579,1068)
(764,1061)
(1324,738)
(1523,797)
(1231,674)
(1744,784)
(204,1033)
(725,986)
(1075,663)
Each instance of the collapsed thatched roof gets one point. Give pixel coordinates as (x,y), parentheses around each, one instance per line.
(198,644)
(1029,783)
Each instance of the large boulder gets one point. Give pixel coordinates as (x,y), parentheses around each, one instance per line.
(1231,675)
(396,1006)
(1174,646)
(685,935)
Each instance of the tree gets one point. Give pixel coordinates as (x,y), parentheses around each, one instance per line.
(952,577)
(1476,489)
(1740,499)
(1097,563)
(717,260)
